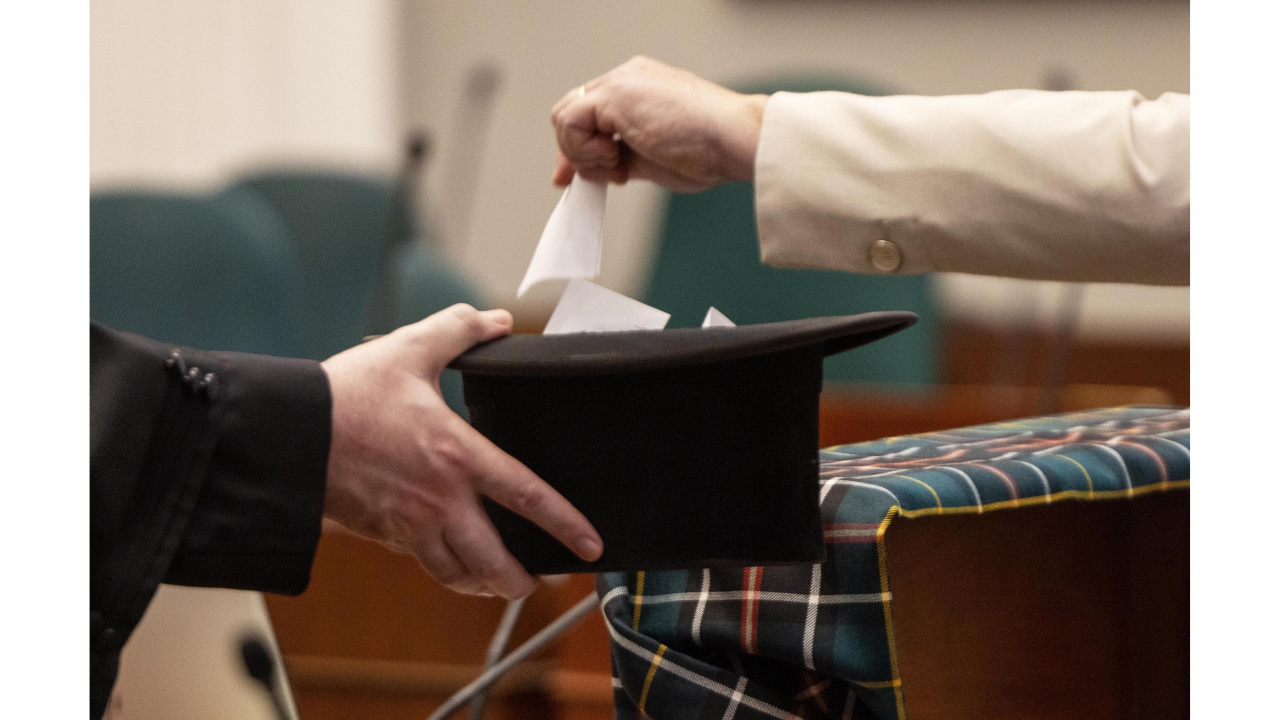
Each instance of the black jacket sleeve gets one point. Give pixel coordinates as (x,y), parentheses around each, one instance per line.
(206,468)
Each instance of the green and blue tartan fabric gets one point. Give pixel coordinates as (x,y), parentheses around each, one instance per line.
(817,641)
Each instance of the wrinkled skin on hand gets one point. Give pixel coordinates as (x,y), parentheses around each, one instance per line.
(407,471)
(644,119)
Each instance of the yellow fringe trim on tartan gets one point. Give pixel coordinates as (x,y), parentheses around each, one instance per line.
(1087,479)
(648,679)
(635,603)
(926,485)
(879,685)
(896,682)
(1046,499)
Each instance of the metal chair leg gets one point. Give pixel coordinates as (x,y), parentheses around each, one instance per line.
(497,646)
(540,640)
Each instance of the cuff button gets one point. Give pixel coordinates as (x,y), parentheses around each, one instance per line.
(884,256)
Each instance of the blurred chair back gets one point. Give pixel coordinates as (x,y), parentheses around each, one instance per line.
(708,254)
(339,223)
(209,272)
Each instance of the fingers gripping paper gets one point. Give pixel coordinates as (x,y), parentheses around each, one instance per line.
(571,242)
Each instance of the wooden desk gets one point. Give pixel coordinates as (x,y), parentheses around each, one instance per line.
(1071,610)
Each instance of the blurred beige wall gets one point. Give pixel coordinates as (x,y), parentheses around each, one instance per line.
(184,661)
(190,93)
(187,93)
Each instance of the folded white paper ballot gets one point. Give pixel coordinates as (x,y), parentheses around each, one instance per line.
(587,307)
(715,318)
(571,241)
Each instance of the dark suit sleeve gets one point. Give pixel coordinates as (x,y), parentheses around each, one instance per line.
(212,463)
(256,523)
(206,468)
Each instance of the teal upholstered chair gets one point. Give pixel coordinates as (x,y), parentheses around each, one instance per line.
(338,222)
(709,255)
(208,272)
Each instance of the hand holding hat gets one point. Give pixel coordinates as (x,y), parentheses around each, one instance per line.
(408,472)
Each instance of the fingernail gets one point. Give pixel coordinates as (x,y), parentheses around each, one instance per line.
(588,548)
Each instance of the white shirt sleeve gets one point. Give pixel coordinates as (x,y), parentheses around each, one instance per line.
(1082,186)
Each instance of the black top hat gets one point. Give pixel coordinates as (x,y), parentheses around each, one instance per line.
(685,448)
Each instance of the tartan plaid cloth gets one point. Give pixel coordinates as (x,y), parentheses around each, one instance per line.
(817,641)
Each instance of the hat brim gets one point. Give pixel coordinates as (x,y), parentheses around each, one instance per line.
(605,353)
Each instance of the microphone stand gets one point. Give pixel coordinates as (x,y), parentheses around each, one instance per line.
(260,665)
(396,235)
